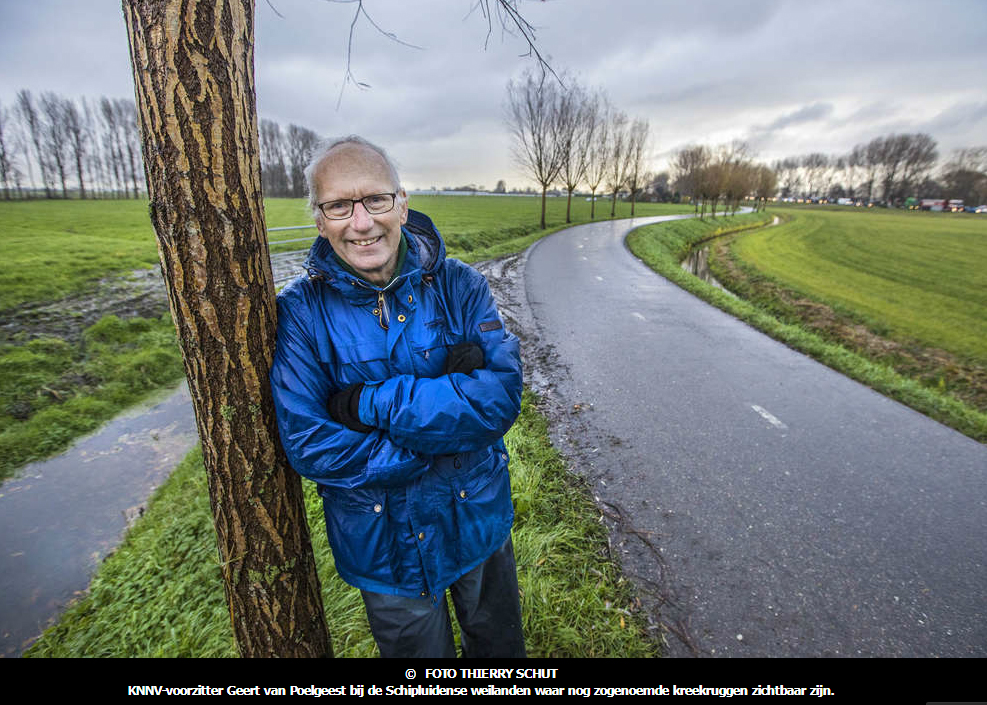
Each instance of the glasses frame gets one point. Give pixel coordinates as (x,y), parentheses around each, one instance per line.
(353,202)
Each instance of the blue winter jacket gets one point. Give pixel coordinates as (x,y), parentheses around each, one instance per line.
(425,498)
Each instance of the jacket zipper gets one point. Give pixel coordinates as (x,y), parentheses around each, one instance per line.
(383,316)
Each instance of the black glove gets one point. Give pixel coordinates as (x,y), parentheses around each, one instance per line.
(464,357)
(344,408)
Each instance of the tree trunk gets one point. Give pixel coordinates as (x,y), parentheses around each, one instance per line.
(193,69)
(544,191)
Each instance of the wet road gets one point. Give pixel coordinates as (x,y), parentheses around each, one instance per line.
(764,504)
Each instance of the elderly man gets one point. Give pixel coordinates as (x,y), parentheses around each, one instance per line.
(394,381)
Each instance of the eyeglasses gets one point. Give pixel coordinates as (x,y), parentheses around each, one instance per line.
(343,208)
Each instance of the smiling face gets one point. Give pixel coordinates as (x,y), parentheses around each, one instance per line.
(367,243)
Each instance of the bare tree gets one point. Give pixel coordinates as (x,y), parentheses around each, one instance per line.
(637,154)
(77,136)
(55,137)
(532,118)
(7,167)
(688,167)
(576,122)
(767,185)
(113,144)
(920,156)
(273,172)
(964,176)
(893,152)
(300,143)
(617,164)
(126,117)
(787,174)
(32,120)
(856,162)
(598,149)
(814,167)
(872,164)
(94,160)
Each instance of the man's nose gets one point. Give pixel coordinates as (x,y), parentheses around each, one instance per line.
(362,220)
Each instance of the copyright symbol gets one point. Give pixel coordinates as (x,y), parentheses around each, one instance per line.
(409,674)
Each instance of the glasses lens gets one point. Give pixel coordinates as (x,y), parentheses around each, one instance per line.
(378,203)
(337,209)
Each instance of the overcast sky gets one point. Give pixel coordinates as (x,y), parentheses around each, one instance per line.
(788,76)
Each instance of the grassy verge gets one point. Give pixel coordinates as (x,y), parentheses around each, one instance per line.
(161,593)
(53,391)
(906,289)
(663,246)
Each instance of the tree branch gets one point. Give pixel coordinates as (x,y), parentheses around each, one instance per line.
(349,77)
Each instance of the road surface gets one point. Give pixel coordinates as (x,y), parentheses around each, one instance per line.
(764,504)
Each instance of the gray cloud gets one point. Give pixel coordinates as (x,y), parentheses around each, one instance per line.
(790,76)
(808,113)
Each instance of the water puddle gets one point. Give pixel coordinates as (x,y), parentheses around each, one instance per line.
(60,517)
(697,264)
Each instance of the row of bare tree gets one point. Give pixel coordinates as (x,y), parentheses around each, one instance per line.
(567,135)
(90,148)
(893,165)
(892,168)
(727,174)
(283,157)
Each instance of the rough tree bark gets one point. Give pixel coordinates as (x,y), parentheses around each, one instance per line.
(193,70)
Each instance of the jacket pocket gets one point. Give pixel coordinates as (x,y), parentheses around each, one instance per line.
(482,508)
(362,362)
(457,466)
(360,533)
(431,349)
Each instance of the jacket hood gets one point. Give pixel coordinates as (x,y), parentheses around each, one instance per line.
(426,252)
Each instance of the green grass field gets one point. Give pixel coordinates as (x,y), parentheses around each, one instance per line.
(907,274)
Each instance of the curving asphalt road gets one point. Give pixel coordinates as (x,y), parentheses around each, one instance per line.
(764,504)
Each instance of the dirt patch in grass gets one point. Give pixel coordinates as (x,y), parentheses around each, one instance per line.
(139,294)
(933,367)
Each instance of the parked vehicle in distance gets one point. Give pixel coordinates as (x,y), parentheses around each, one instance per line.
(932,204)
(981,209)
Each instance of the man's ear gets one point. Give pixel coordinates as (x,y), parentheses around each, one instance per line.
(404,206)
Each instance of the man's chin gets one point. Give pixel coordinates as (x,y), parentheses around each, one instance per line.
(372,269)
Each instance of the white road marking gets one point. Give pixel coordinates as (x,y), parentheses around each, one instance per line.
(599,278)
(771,418)
(635,313)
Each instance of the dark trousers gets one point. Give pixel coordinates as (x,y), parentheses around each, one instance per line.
(487,608)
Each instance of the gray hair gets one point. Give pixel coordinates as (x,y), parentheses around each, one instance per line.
(321,152)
